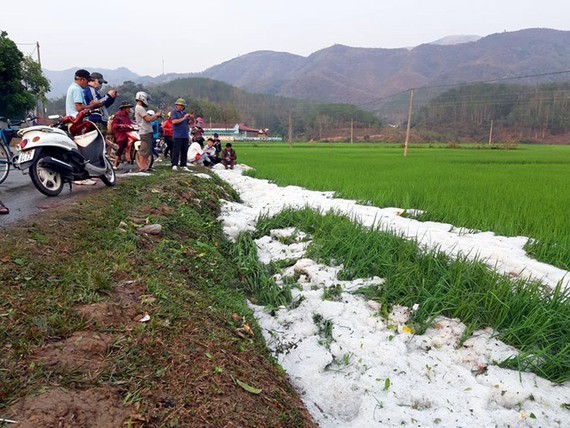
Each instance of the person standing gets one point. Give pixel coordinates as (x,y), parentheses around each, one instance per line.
(91,92)
(144,121)
(229,156)
(181,122)
(75,97)
(155,135)
(121,125)
(167,135)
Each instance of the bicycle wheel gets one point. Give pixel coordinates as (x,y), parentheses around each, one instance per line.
(5,163)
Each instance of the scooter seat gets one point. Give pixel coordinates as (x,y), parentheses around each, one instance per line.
(85,139)
(91,146)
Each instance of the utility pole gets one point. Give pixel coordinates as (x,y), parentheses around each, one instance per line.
(290,132)
(163,67)
(351,131)
(491,133)
(39,59)
(40,106)
(409,122)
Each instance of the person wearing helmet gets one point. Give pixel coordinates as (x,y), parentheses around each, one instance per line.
(181,122)
(144,121)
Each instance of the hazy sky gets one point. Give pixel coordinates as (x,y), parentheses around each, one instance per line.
(190,36)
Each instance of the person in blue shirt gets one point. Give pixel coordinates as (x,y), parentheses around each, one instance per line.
(155,135)
(91,92)
(75,98)
(181,122)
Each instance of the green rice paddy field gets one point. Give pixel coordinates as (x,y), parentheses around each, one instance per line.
(524,191)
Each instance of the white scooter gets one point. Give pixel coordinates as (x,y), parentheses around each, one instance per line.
(72,149)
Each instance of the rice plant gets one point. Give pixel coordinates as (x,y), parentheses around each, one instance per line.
(523,313)
(258,282)
(521,192)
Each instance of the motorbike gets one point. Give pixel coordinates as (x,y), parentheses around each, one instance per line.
(131,153)
(69,150)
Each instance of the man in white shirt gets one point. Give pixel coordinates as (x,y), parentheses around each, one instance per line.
(144,121)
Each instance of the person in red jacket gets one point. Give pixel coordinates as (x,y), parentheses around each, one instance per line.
(122,123)
(167,135)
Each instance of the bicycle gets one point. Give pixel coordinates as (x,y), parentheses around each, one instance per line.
(6,156)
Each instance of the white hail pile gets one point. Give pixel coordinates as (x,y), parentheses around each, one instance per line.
(376,372)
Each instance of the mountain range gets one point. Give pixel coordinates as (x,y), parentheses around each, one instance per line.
(362,76)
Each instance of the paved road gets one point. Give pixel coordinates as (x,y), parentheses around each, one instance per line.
(24,200)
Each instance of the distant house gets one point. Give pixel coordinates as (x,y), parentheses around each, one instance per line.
(246,131)
(240,131)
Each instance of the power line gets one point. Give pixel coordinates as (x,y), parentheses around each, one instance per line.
(368,103)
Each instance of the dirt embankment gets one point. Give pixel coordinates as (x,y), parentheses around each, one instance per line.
(104,325)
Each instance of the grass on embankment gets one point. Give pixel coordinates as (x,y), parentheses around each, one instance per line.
(521,192)
(522,313)
(82,271)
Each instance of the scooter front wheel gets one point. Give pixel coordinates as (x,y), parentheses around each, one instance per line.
(4,163)
(109,178)
(48,182)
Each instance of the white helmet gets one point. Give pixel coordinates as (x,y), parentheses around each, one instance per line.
(150,112)
(143,97)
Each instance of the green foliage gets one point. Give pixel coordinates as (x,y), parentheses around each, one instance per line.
(220,103)
(520,109)
(524,314)
(520,192)
(325,327)
(333,293)
(15,98)
(258,282)
(34,81)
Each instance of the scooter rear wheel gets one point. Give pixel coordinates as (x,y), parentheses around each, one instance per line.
(48,182)
(109,178)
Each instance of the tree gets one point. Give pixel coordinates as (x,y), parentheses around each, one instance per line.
(33,79)
(20,80)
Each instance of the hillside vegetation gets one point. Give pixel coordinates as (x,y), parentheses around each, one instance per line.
(220,103)
(518,112)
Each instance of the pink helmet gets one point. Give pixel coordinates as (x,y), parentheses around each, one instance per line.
(200,120)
